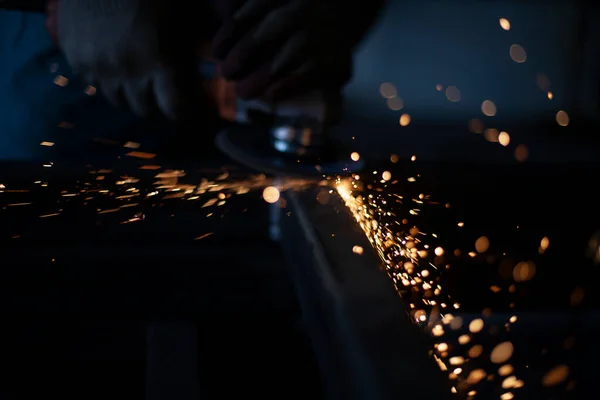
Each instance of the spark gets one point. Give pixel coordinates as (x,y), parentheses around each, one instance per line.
(90,90)
(131,145)
(204,236)
(504,24)
(388,90)
(271,194)
(141,154)
(405,120)
(357,250)
(453,94)
(504,139)
(488,108)
(562,118)
(61,81)
(518,53)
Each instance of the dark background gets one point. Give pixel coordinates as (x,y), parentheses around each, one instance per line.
(76,327)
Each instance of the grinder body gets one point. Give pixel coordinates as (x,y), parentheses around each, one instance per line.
(292,137)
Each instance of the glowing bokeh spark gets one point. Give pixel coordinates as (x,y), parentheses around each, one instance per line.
(271,194)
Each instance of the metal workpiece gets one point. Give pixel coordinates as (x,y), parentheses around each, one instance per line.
(364,341)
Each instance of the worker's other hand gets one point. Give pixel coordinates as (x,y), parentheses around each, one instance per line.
(141,53)
(276,49)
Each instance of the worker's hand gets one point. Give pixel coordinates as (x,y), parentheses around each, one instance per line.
(279,48)
(141,53)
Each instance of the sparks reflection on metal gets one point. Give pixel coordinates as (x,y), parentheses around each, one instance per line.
(405,254)
(412,261)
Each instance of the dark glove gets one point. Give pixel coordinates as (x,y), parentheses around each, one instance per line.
(275,49)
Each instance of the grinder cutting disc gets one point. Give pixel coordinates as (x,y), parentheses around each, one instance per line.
(251,146)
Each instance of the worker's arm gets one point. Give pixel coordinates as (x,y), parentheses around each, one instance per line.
(278,48)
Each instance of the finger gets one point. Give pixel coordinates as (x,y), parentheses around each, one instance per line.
(263,42)
(225,39)
(179,93)
(106,68)
(279,22)
(311,75)
(253,9)
(243,58)
(301,80)
(255,84)
(86,77)
(138,93)
(113,92)
(290,54)
(237,22)
(226,8)
(165,94)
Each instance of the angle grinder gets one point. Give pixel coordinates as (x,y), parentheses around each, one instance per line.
(290,138)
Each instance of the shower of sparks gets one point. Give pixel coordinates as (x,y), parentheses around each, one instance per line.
(126,195)
(408,260)
(415,264)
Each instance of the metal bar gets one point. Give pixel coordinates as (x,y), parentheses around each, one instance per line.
(365,344)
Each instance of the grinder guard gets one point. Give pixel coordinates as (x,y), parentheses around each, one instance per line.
(290,138)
